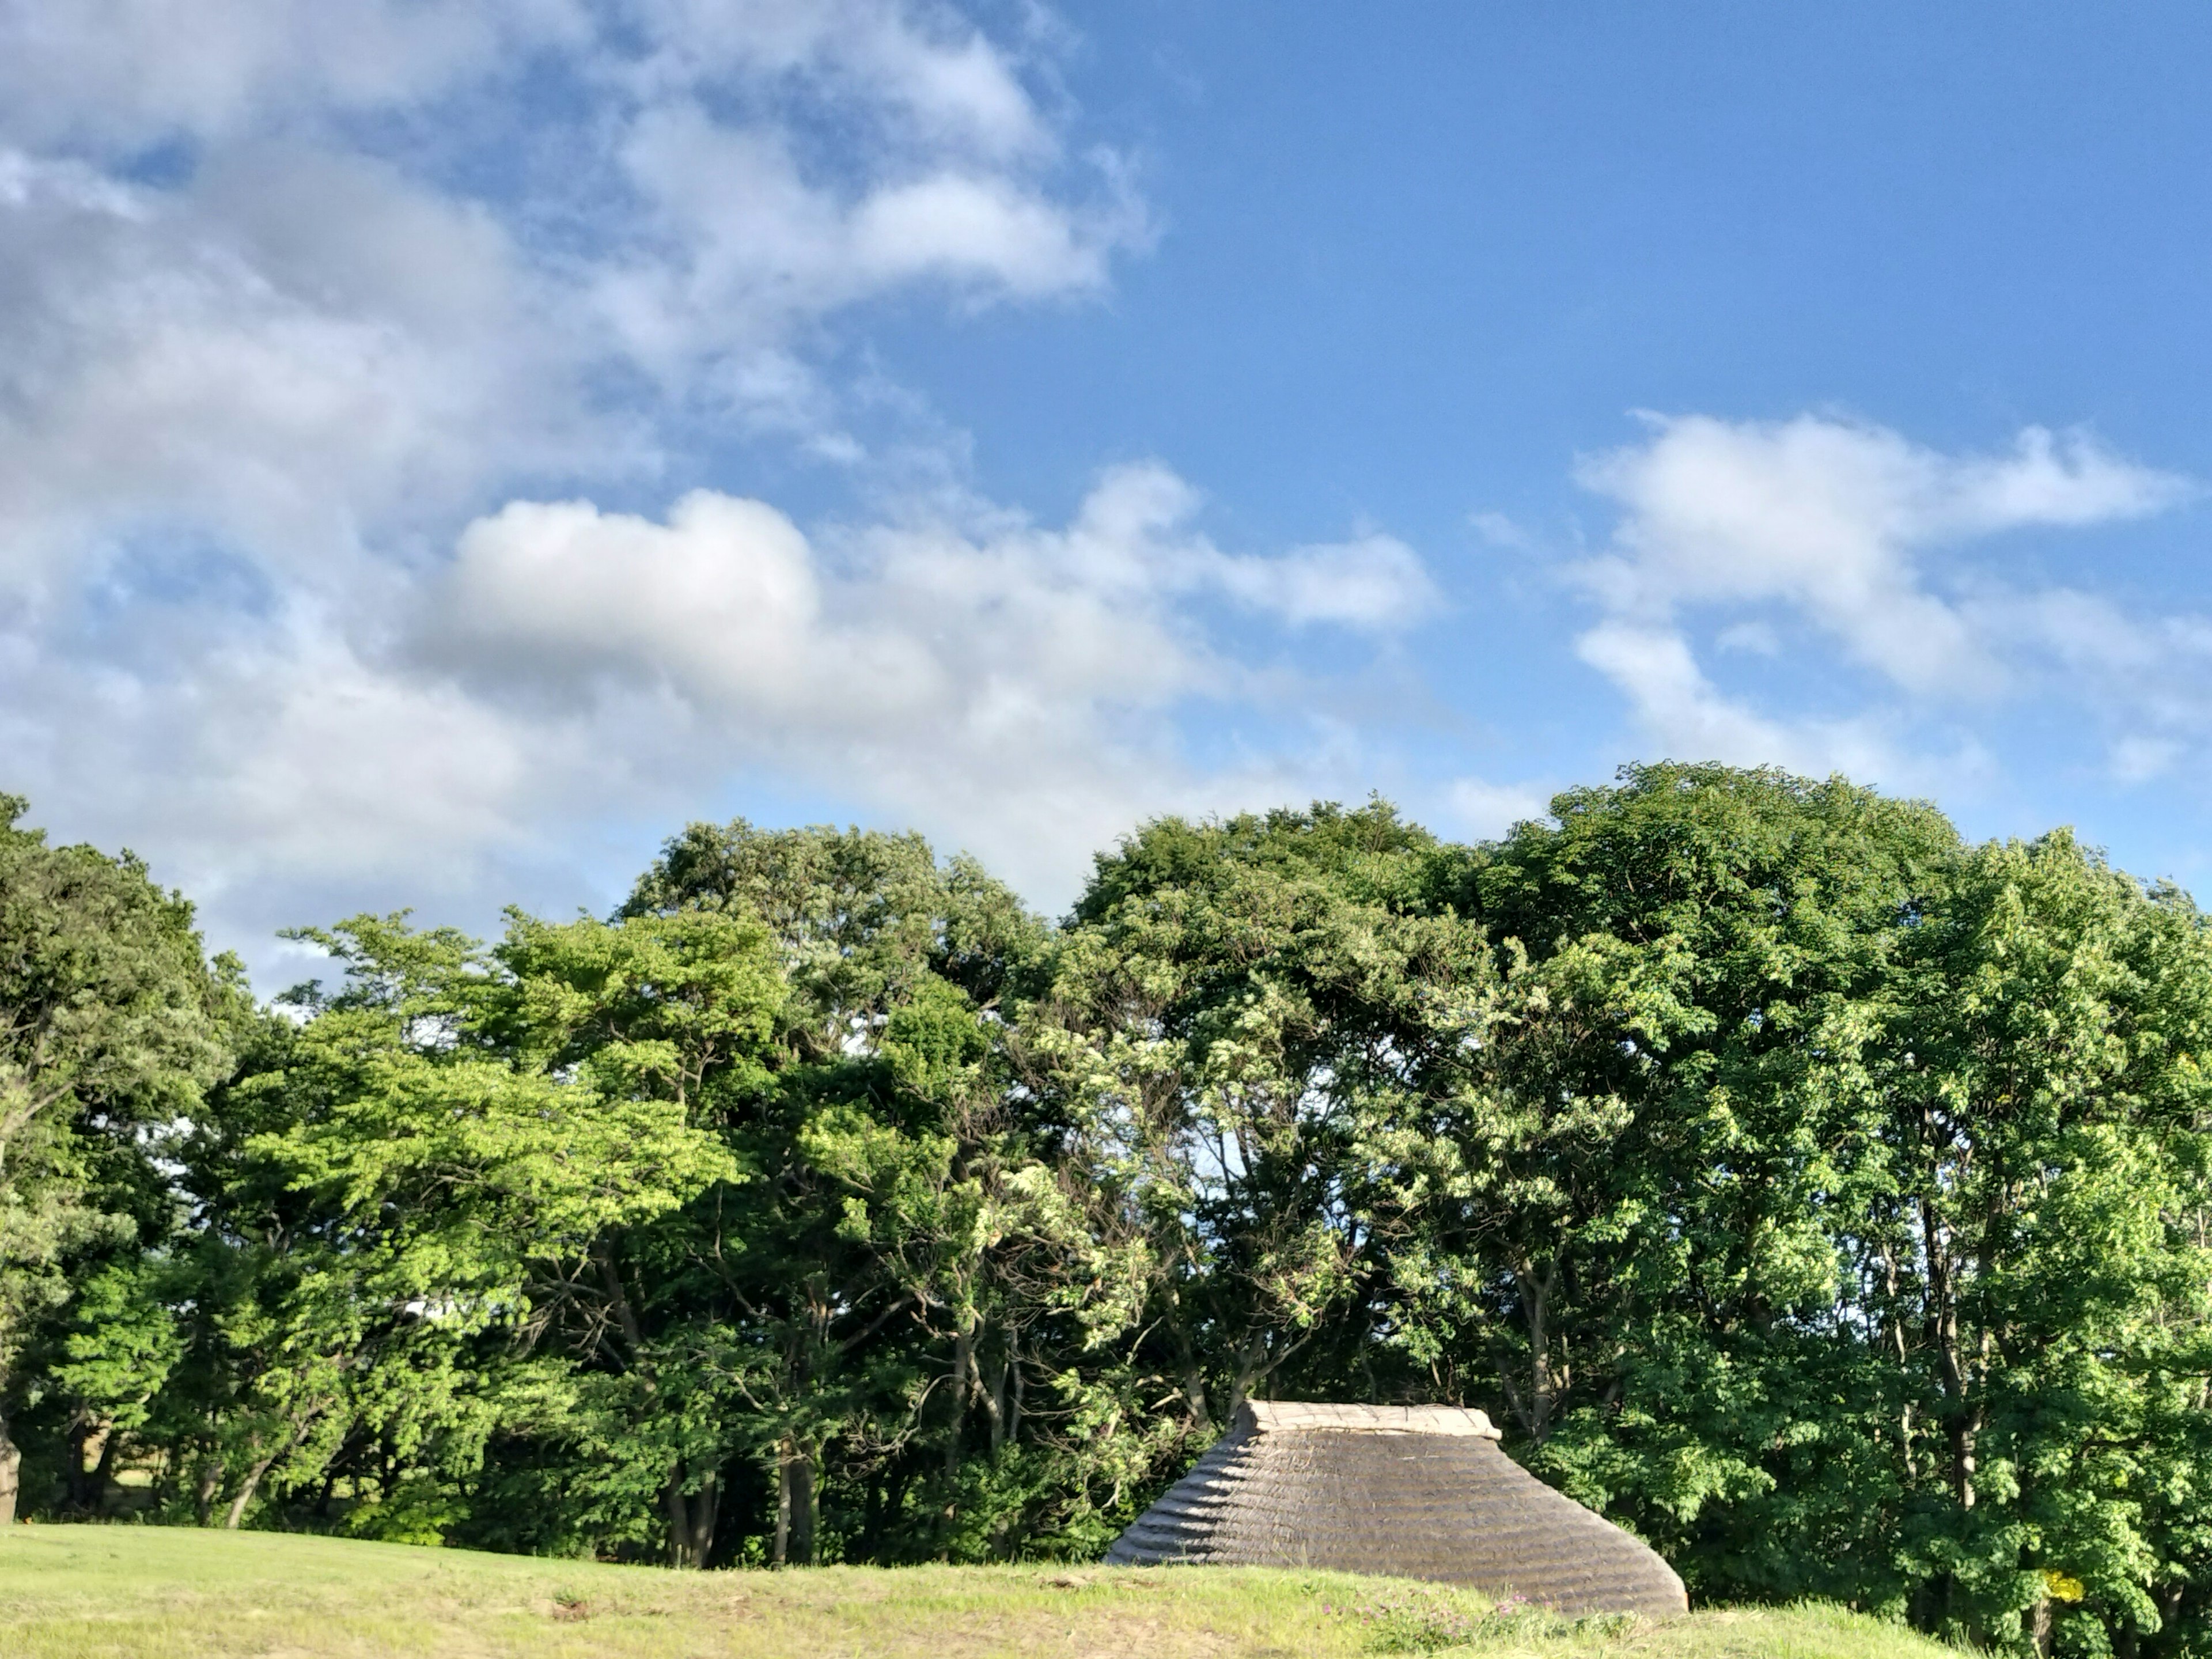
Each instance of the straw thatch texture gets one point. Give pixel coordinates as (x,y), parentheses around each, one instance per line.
(1416,1492)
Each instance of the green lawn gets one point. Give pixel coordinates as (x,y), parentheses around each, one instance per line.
(126,1592)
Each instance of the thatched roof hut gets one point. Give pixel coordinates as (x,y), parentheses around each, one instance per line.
(1416,1492)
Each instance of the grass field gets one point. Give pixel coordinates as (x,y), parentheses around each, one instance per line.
(129,1592)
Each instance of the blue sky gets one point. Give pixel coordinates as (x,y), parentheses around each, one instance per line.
(447,448)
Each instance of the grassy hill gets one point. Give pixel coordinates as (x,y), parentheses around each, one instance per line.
(137,1592)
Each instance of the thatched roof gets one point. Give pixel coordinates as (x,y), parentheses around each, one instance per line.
(1416,1492)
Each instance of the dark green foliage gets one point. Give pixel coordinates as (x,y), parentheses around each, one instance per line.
(112,1023)
(1824,1198)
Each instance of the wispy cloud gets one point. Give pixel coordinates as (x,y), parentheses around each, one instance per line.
(1838,527)
(1834,520)
(1486,810)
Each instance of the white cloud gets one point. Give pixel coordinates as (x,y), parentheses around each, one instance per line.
(1688,717)
(1132,534)
(1758,638)
(723,603)
(1834,517)
(1375,582)
(1487,810)
(1014,689)
(961,226)
(293,297)
(286,330)
(742,245)
(268,757)
(129,73)
(298,348)
(2139,759)
(1500,532)
(1845,524)
(1021,682)
(929,69)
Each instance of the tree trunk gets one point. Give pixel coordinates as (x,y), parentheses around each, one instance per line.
(1194,1393)
(103,1471)
(1194,1380)
(11,1464)
(1944,1319)
(691,1521)
(1248,1371)
(800,1472)
(963,1362)
(1964,1435)
(1543,1383)
(210,1483)
(781,1553)
(994,1399)
(253,1475)
(246,1492)
(794,1505)
(76,1442)
(705,1510)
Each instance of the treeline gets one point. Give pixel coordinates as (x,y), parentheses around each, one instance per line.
(1821,1196)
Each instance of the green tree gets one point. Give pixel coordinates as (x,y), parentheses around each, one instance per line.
(1844,1228)
(110,1019)
(871,1291)
(2045,1280)
(1654,1150)
(475,1134)
(1250,1027)
(1827,1199)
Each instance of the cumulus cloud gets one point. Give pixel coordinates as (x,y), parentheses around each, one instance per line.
(291,328)
(262,759)
(1015,689)
(928,664)
(739,244)
(1853,532)
(314,321)
(297,348)
(2139,759)
(123,75)
(1375,582)
(1833,519)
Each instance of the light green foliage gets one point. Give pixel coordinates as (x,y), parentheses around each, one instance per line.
(1888,1281)
(2048,1113)
(456,1136)
(482,1116)
(120,1344)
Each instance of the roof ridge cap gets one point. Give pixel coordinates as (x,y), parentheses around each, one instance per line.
(1290,1416)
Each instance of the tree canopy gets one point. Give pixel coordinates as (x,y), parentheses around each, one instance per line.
(1818,1195)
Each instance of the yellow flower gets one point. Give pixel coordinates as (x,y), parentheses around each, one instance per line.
(2059,1587)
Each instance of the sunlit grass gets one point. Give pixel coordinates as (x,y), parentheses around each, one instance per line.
(129,1592)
